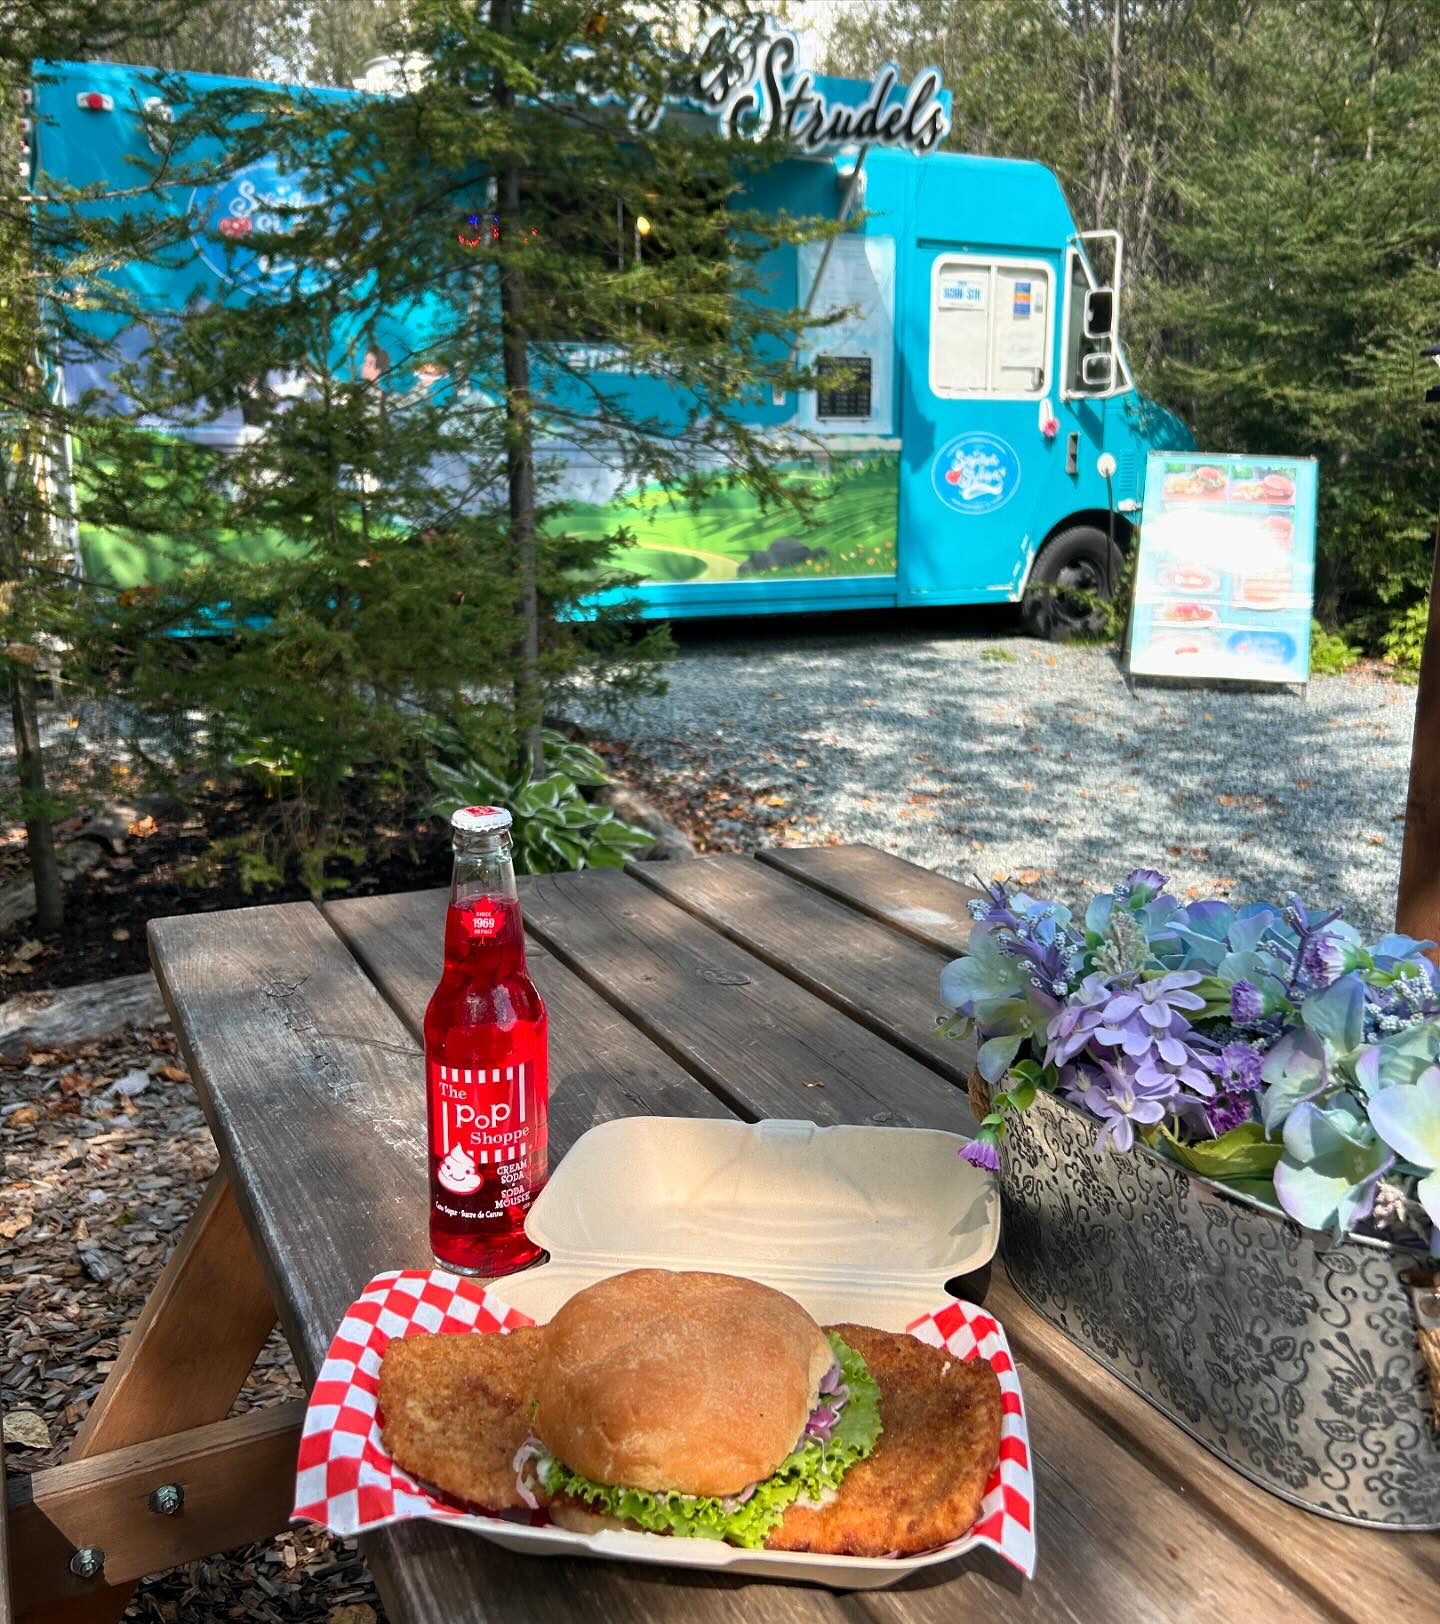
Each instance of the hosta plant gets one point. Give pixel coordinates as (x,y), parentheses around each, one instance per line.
(1266,1046)
(555,827)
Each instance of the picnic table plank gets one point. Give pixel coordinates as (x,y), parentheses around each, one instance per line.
(600,1065)
(763,1043)
(886,981)
(1118,1541)
(913,900)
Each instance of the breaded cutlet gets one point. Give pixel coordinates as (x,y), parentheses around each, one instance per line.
(923,1485)
(455,1408)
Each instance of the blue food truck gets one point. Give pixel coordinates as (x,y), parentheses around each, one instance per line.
(975,435)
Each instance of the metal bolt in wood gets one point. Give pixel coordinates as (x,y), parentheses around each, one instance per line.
(88,1562)
(167,1499)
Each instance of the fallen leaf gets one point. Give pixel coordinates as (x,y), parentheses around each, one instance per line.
(1026,785)
(134,1082)
(1377,840)
(30,949)
(24,1116)
(1228,800)
(11,1227)
(1173,851)
(1029,876)
(1302,783)
(1126,789)
(178,1074)
(141,828)
(351,1612)
(74,1082)
(28,1430)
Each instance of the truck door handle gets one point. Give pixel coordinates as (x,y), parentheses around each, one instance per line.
(1072,453)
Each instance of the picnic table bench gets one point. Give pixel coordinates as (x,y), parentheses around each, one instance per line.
(799,984)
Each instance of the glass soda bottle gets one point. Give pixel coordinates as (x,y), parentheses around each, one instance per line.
(486,1063)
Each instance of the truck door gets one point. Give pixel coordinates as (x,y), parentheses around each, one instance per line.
(976,467)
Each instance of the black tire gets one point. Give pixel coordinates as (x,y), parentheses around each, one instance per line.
(1074,570)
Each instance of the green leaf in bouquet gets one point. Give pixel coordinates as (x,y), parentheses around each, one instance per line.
(1242,1153)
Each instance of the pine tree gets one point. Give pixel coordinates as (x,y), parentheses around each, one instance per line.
(34,420)
(551,242)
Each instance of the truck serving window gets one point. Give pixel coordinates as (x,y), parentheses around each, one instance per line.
(990,327)
(842,386)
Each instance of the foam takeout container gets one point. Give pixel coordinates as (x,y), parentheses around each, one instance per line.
(863,1224)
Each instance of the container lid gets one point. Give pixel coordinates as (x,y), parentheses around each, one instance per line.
(857,1223)
(480,819)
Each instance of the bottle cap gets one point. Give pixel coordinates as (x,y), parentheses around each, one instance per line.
(480,819)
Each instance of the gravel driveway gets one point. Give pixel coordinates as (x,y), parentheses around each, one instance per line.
(991,755)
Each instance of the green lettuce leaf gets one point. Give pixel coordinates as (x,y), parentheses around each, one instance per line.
(808,1472)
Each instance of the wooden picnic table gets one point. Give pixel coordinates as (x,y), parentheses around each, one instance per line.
(799,984)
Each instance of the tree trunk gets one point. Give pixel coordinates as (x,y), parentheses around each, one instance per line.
(1417,909)
(519,441)
(39,831)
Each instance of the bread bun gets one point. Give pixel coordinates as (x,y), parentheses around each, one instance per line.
(579,1519)
(700,1383)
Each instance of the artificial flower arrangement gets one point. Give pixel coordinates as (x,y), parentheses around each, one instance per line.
(1265,1046)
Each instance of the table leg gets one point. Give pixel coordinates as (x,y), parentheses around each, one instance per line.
(188,1355)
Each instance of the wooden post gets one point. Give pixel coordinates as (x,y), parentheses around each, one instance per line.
(1417,910)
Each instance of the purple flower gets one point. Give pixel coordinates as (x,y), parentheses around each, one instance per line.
(1323,960)
(1239,1069)
(981,1153)
(1073,1027)
(1148,879)
(1247,1003)
(1148,1016)
(1121,1100)
(1228,1111)
(1192,1071)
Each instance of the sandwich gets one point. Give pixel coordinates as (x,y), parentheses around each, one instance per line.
(700,1405)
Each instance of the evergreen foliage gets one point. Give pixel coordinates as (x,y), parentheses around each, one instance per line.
(401,472)
(1270,165)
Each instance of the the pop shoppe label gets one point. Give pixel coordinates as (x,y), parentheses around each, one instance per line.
(347,1481)
(483,1129)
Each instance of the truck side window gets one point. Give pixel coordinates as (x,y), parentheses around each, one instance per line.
(990,327)
(1077,346)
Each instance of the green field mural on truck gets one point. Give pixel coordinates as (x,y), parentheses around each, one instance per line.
(732,538)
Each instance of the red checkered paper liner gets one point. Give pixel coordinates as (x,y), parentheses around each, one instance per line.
(346,1481)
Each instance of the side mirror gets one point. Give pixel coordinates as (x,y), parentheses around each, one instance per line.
(1100,313)
(1097,371)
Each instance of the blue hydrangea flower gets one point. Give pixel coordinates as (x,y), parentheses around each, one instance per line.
(1332,1164)
(1408,1118)
(1228,1111)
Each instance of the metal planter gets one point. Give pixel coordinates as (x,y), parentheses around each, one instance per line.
(1294,1359)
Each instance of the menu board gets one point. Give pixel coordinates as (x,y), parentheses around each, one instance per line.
(1225,576)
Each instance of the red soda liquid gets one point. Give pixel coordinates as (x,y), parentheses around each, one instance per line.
(487,1073)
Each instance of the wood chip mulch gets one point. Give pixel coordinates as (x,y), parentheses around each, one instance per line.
(105,1154)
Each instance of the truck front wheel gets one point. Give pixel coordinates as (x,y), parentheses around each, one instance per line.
(1073,579)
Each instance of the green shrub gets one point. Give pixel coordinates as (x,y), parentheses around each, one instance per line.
(1404,642)
(555,826)
(1330,654)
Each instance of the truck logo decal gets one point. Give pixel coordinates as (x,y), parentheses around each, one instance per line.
(256,198)
(975,474)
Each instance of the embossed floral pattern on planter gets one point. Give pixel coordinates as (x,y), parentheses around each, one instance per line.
(1292,1358)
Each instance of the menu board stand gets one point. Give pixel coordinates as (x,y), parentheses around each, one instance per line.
(1225,569)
